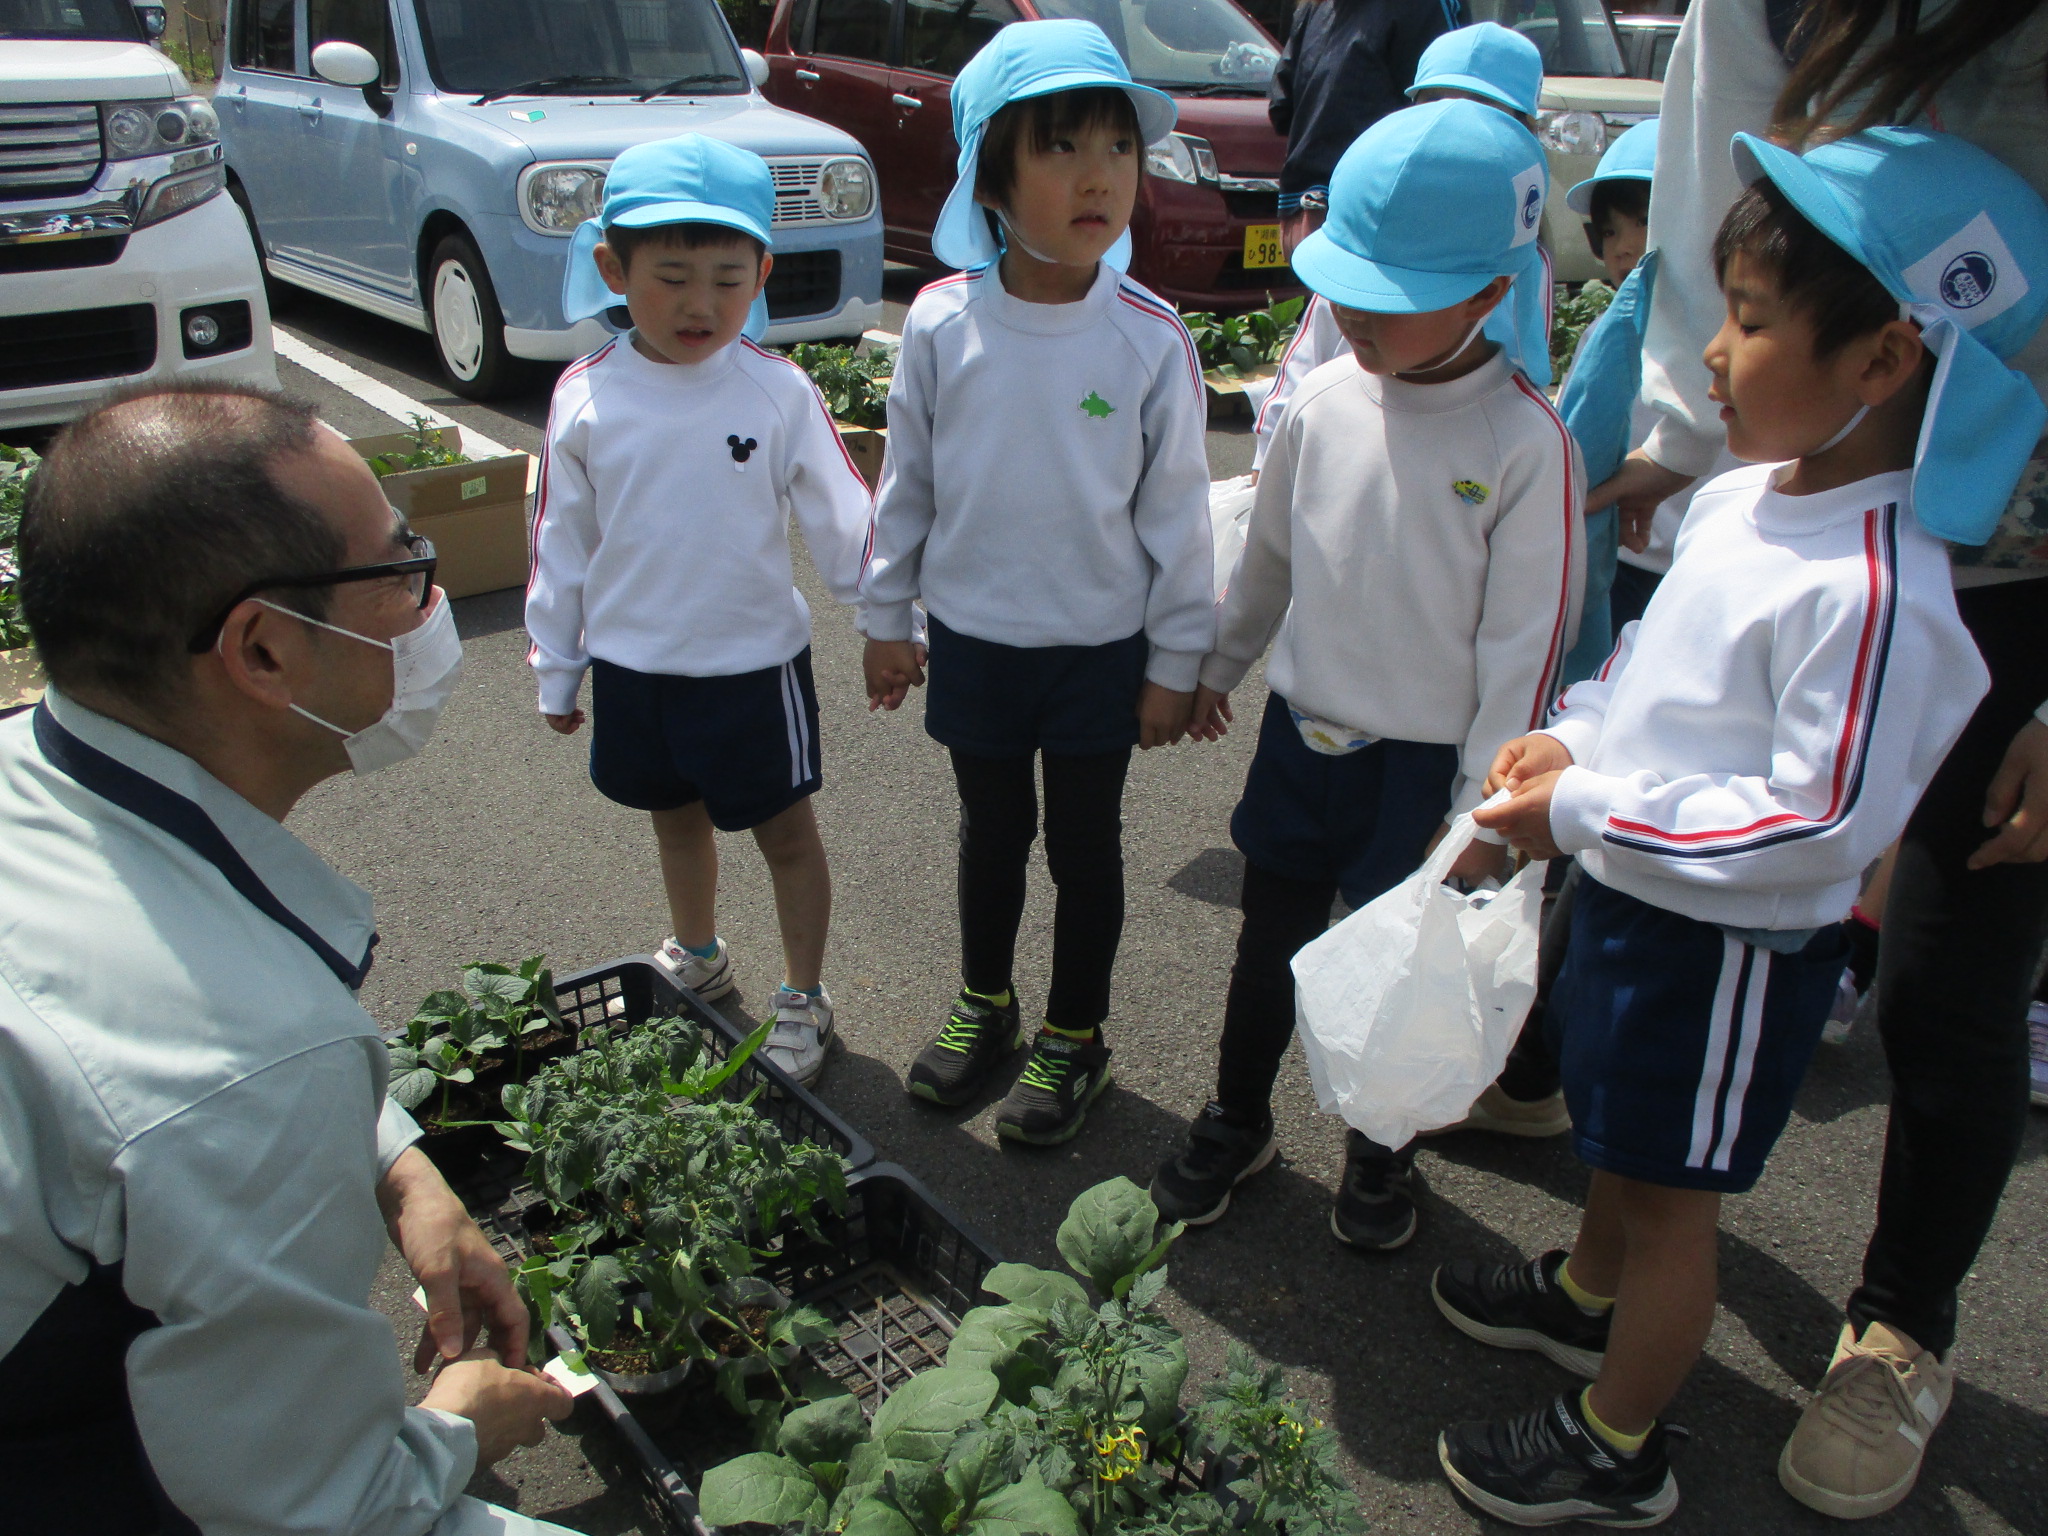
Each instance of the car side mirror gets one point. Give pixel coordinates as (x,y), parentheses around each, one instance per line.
(757,68)
(346,64)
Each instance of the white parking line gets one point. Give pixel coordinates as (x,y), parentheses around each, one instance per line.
(380,396)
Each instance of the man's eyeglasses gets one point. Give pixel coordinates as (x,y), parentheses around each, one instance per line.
(418,571)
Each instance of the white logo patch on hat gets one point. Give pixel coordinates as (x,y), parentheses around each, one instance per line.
(1529,186)
(1971,275)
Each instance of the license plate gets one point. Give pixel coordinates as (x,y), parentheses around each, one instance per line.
(1262,247)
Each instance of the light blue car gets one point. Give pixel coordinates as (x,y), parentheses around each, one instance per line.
(428,161)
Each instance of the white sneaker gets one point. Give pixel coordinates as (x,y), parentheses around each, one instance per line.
(1842,1013)
(802,1033)
(709,979)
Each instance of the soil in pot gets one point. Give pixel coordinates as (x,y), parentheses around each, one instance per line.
(628,1367)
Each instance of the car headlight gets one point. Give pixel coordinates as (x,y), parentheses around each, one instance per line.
(175,194)
(1182,157)
(846,189)
(1573,133)
(133,129)
(554,199)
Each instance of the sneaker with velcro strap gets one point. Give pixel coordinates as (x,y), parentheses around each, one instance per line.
(710,978)
(1194,1185)
(1050,1099)
(802,1033)
(1549,1466)
(1523,1306)
(976,1035)
(1375,1206)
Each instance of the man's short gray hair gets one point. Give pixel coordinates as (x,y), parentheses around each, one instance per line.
(147,516)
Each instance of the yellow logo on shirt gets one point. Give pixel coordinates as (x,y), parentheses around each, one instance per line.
(1471,492)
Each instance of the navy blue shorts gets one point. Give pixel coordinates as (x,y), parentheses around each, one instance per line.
(1359,821)
(1682,1047)
(746,745)
(993,700)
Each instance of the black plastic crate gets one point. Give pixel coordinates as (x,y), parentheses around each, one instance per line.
(629,992)
(895,1273)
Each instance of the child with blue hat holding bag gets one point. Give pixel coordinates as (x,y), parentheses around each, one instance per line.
(674,458)
(1756,739)
(1045,496)
(1497,67)
(1434,497)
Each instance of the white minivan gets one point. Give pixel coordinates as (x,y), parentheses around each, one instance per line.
(120,259)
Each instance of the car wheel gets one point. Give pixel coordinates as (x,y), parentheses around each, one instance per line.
(469,329)
(276,294)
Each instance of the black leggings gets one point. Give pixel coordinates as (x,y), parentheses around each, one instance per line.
(1954,973)
(1281,914)
(1084,851)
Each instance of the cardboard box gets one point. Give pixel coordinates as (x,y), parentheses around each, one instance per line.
(475,513)
(21,677)
(1227,396)
(866,446)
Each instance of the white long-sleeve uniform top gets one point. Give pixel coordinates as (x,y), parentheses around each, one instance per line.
(1047,480)
(659,543)
(189,1091)
(1765,730)
(1725,76)
(1420,550)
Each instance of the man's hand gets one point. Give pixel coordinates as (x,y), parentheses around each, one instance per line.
(892,668)
(509,1408)
(1522,759)
(1210,719)
(567,724)
(1525,820)
(2017,803)
(1637,489)
(468,1287)
(1162,716)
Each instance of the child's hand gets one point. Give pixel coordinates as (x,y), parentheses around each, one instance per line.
(1525,820)
(1211,718)
(1479,863)
(892,668)
(567,724)
(1638,487)
(1162,716)
(1523,758)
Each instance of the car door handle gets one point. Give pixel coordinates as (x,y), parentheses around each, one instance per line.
(311,110)
(808,75)
(238,98)
(902,100)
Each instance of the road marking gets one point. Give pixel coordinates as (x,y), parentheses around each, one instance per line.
(382,397)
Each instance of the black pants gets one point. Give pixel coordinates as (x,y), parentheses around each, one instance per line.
(1954,971)
(1084,850)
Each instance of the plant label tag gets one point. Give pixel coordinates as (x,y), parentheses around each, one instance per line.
(471,489)
(573,1379)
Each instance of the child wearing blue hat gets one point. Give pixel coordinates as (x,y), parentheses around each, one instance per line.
(1045,496)
(674,458)
(1754,742)
(1487,63)
(1436,499)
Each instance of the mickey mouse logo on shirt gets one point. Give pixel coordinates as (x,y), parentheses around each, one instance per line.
(742,448)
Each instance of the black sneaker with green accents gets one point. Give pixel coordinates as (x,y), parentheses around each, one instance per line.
(1050,1098)
(976,1035)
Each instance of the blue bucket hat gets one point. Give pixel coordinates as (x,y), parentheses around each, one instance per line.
(1025,59)
(1488,60)
(1632,157)
(1961,241)
(1428,206)
(689,179)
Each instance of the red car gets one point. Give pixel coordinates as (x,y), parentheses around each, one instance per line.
(1207,227)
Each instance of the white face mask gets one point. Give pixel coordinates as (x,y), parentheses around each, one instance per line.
(425,662)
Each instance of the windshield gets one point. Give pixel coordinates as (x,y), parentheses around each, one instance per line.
(475,46)
(1575,35)
(1180,44)
(106,20)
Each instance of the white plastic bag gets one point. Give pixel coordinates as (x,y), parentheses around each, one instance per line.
(1407,1009)
(1230,513)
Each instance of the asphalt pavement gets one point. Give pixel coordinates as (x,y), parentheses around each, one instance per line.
(494,845)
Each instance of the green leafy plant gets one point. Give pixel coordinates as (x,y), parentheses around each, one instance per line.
(197,63)
(453,1032)
(1233,344)
(1054,1414)
(17,466)
(1574,317)
(670,1196)
(855,385)
(426,450)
